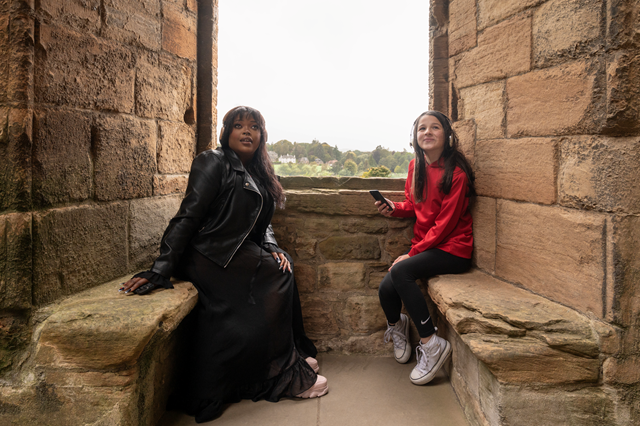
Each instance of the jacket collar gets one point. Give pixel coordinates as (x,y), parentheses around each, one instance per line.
(235,162)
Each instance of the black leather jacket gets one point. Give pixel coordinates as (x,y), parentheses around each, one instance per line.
(219,210)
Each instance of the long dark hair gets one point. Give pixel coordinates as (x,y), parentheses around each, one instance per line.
(451,155)
(260,165)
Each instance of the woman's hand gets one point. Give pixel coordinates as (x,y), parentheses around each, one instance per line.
(133,284)
(285,265)
(384,209)
(400,259)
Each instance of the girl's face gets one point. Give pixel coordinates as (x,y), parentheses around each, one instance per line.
(431,137)
(244,139)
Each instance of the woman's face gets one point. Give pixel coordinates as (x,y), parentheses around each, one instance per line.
(431,137)
(244,139)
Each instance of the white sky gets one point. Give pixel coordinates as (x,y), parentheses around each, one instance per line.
(352,73)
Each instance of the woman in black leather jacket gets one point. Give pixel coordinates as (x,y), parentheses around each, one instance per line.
(247,339)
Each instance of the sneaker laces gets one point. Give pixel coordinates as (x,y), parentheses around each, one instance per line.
(426,361)
(396,335)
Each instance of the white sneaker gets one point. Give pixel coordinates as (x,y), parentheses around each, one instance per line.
(431,356)
(398,333)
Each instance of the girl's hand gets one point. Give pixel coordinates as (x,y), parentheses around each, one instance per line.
(285,265)
(132,284)
(400,259)
(384,209)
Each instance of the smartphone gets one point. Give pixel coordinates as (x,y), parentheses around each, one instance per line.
(378,196)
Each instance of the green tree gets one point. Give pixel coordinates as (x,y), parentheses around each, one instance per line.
(350,167)
(283,147)
(380,171)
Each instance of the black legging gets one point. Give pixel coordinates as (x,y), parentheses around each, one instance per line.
(399,285)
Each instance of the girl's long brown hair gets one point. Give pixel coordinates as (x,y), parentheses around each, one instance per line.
(260,165)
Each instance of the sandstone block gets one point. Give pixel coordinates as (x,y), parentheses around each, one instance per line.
(303,182)
(623,93)
(169,184)
(493,11)
(462,26)
(163,88)
(15,334)
(469,402)
(134,23)
(327,202)
(621,371)
(306,248)
(308,226)
(76,248)
(375,278)
(61,157)
(466,131)
(626,292)
(15,149)
(563,95)
(350,247)
(397,242)
(179,32)
(20,54)
(176,147)
(83,72)
(15,261)
(565,28)
(125,162)
(364,314)
(623,25)
(192,5)
(306,277)
(81,15)
(486,105)
(555,252)
(341,276)
(503,50)
(484,233)
(519,169)
(366,225)
(318,317)
(5,49)
(372,344)
(600,173)
(149,218)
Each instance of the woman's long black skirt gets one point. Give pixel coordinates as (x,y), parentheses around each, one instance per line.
(246,337)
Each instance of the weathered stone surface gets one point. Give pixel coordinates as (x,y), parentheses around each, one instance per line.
(621,371)
(623,25)
(469,402)
(303,182)
(556,252)
(308,226)
(15,261)
(136,23)
(364,314)
(163,87)
(372,344)
(492,11)
(626,297)
(484,233)
(19,52)
(306,248)
(341,276)
(179,31)
(81,15)
(76,248)
(318,317)
(360,247)
(169,184)
(15,334)
(486,105)
(61,157)
(125,162)
(176,147)
(462,26)
(81,71)
(343,202)
(563,95)
(503,50)
(148,219)
(306,277)
(466,131)
(591,167)
(15,149)
(366,225)
(518,169)
(5,48)
(623,92)
(564,28)
(397,242)
(375,278)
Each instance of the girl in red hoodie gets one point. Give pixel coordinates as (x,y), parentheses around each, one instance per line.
(437,193)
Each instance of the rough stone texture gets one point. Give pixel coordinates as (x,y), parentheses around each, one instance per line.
(372,344)
(503,50)
(623,25)
(462,26)
(303,182)
(341,276)
(80,15)
(484,233)
(76,248)
(364,314)
(83,72)
(623,93)
(179,31)
(556,252)
(492,11)
(566,28)
(61,157)
(466,131)
(318,318)
(398,241)
(486,105)
(169,184)
(369,226)
(591,166)
(19,51)
(350,247)
(136,23)
(163,87)
(15,149)
(306,247)
(5,48)
(125,162)
(176,147)
(15,261)
(149,218)
(563,95)
(519,169)
(342,202)
(306,278)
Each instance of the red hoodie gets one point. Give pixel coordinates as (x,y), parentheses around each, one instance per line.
(442,221)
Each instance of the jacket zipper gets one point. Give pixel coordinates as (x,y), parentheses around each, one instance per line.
(254,224)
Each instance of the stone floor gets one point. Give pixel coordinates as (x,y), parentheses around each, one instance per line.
(363,390)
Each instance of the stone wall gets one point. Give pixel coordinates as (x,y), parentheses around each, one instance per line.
(545,97)
(99,121)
